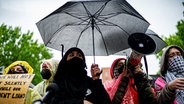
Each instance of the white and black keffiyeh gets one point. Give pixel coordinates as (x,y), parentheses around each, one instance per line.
(176,70)
(116,73)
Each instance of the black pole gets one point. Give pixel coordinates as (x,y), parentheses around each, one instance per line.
(62,50)
(93,37)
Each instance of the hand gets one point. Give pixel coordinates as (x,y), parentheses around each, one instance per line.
(94,70)
(138,69)
(87,102)
(178,83)
(127,72)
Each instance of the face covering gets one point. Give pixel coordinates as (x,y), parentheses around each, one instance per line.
(176,64)
(15,72)
(118,71)
(176,70)
(46,74)
(73,78)
(75,67)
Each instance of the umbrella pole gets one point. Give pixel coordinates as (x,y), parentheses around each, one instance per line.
(93,37)
(93,46)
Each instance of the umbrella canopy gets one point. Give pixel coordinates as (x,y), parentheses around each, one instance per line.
(98,27)
(160,44)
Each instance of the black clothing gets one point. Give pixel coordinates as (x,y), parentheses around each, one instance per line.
(94,93)
(74,86)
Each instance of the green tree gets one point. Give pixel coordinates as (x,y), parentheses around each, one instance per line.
(177,39)
(15,45)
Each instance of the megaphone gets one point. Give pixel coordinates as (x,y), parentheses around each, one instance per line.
(141,43)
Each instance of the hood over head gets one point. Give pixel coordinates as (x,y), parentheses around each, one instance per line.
(164,58)
(22,63)
(51,65)
(113,65)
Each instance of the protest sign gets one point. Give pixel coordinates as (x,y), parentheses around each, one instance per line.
(13,88)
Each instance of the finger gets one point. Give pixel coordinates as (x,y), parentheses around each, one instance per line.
(96,65)
(97,70)
(180,87)
(98,74)
(92,65)
(181,79)
(138,66)
(180,83)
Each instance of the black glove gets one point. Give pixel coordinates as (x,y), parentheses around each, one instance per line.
(50,91)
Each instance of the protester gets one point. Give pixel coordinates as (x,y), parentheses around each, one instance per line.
(130,86)
(47,70)
(71,85)
(22,67)
(117,67)
(169,86)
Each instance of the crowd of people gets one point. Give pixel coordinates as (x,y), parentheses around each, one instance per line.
(67,82)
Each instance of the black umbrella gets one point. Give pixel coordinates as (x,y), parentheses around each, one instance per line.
(160,43)
(98,27)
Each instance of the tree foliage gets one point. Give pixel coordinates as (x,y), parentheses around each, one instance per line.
(15,45)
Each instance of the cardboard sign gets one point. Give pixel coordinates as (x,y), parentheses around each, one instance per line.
(13,88)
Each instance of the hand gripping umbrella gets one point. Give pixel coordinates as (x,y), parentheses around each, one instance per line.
(98,27)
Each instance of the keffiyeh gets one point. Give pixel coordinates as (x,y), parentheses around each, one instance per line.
(176,70)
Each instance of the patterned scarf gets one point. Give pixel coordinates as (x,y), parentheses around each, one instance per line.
(176,70)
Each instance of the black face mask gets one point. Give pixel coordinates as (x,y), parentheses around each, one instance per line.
(15,72)
(75,67)
(46,74)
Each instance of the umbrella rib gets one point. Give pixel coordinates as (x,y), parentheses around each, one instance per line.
(110,15)
(81,18)
(56,32)
(107,23)
(97,14)
(92,21)
(88,13)
(112,24)
(59,30)
(131,9)
(87,26)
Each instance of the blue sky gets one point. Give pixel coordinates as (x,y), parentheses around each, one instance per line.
(162,15)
